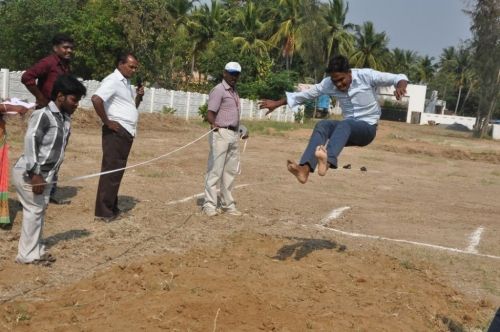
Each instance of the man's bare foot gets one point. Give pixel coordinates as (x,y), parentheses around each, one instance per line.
(301,172)
(322,157)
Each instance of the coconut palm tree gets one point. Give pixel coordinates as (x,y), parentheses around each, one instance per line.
(207,21)
(425,69)
(179,11)
(404,61)
(249,30)
(371,48)
(338,36)
(289,35)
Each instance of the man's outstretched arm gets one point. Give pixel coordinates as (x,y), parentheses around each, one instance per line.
(271,105)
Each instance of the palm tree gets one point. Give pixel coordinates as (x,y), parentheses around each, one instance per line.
(179,11)
(250,29)
(206,22)
(371,48)
(425,69)
(404,61)
(339,39)
(463,63)
(291,21)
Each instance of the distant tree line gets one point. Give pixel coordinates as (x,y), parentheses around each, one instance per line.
(183,44)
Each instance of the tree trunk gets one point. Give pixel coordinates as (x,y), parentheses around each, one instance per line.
(486,123)
(461,112)
(458,99)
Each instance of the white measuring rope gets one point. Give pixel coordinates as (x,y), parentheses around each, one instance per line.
(127,167)
(238,168)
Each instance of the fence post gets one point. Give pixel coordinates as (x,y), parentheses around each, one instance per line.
(152,102)
(279,113)
(171,98)
(188,100)
(5,83)
(251,109)
(241,109)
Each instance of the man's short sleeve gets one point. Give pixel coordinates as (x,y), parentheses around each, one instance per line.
(215,99)
(106,90)
(37,71)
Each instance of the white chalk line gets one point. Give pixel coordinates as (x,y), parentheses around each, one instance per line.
(334,215)
(422,244)
(474,240)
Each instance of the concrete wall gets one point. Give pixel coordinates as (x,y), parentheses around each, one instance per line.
(185,103)
(447,119)
(496,132)
(415,95)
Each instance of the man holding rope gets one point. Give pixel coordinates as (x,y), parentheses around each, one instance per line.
(44,145)
(116,104)
(355,89)
(224,118)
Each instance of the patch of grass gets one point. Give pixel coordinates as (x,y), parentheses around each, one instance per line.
(22,315)
(457,174)
(276,128)
(488,182)
(372,158)
(495,173)
(156,174)
(408,265)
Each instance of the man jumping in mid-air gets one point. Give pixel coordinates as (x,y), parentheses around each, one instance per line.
(355,90)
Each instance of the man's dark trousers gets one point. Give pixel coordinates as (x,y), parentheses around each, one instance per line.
(115,150)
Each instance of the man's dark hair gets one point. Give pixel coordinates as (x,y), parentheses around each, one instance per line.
(62,38)
(338,64)
(68,85)
(123,57)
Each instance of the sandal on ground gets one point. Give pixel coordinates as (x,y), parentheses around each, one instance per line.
(44,260)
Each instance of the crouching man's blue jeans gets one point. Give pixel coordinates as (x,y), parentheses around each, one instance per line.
(348,132)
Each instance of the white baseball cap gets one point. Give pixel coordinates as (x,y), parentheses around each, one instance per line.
(233,67)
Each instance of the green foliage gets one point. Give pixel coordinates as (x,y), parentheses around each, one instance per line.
(27,28)
(274,127)
(168,110)
(99,38)
(184,45)
(394,104)
(299,116)
(272,87)
(203,112)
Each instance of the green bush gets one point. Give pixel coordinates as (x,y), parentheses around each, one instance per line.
(272,87)
(203,112)
(168,110)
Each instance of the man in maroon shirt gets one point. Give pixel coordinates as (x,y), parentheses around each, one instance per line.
(39,80)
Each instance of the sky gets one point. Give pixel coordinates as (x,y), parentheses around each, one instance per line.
(425,26)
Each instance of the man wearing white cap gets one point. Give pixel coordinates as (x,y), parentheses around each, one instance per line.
(224,118)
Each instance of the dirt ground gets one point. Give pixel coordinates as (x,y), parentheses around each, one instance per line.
(400,256)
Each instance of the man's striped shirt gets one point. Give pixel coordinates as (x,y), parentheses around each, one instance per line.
(45,141)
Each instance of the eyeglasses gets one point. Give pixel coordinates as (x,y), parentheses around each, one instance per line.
(233,73)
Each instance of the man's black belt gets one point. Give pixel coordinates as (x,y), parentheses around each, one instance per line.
(233,128)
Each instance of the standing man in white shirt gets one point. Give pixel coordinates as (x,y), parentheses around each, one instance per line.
(116,104)
(355,90)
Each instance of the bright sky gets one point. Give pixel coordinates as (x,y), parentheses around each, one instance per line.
(425,26)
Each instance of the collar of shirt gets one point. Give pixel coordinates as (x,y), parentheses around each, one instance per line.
(355,79)
(122,78)
(227,86)
(53,107)
(59,62)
